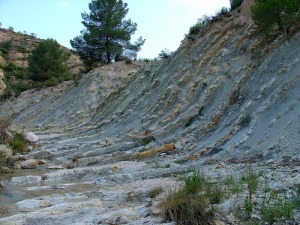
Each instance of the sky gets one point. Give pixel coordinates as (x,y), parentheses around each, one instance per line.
(163,23)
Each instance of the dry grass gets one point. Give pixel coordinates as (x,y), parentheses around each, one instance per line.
(191,204)
(4,210)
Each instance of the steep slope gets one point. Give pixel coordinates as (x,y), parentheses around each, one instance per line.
(221,102)
(221,93)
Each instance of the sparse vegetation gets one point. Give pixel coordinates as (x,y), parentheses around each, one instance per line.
(164,54)
(201,24)
(275,206)
(251,180)
(191,204)
(155,192)
(128,61)
(222,11)
(5,47)
(235,4)
(4,210)
(18,144)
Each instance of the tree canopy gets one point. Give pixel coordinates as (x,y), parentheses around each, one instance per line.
(107,35)
(46,61)
(272,14)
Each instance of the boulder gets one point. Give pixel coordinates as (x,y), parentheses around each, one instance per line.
(31,137)
(5,152)
(42,155)
(29,164)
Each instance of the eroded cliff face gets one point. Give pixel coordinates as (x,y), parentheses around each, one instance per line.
(219,93)
(218,104)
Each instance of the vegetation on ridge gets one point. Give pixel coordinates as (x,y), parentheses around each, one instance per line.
(107,35)
(275,14)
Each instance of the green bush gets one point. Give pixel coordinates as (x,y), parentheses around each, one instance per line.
(47,61)
(10,67)
(22,48)
(128,61)
(191,204)
(164,54)
(52,81)
(155,192)
(195,183)
(275,14)
(222,11)
(274,206)
(18,144)
(187,209)
(235,4)
(201,24)
(5,47)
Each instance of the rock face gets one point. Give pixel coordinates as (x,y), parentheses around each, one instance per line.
(220,104)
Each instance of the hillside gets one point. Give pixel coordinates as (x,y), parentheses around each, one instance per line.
(23,44)
(224,102)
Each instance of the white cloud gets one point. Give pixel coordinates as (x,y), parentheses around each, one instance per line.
(63,3)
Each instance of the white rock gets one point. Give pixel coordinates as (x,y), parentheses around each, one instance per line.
(5,151)
(31,137)
(25,180)
(32,204)
(29,164)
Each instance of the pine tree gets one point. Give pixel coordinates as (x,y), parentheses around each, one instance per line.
(46,62)
(107,35)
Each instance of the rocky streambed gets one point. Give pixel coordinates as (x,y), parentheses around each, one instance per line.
(79,189)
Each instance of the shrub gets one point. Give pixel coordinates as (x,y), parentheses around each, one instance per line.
(47,61)
(275,14)
(251,180)
(164,54)
(52,82)
(223,11)
(18,144)
(195,183)
(187,209)
(155,192)
(274,207)
(22,48)
(10,67)
(128,61)
(5,46)
(235,4)
(191,204)
(4,210)
(202,22)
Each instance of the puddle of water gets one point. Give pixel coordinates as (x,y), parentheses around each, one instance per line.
(13,194)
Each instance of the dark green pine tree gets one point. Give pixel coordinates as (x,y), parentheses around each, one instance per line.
(107,35)
(47,61)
